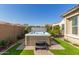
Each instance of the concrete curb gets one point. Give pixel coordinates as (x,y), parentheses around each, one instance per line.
(9,48)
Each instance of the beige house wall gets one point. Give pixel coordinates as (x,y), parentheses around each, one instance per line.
(78,25)
(73,38)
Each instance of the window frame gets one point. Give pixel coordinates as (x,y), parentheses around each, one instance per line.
(75,25)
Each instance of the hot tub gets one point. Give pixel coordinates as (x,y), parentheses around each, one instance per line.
(33,37)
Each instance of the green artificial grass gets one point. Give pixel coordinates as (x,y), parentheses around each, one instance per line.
(69,49)
(13,51)
(27,52)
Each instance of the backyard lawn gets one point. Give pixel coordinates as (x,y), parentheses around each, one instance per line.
(13,51)
(69,49)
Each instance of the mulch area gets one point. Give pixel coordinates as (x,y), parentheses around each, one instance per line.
(2,48)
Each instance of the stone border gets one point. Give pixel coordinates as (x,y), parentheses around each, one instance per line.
(9,47)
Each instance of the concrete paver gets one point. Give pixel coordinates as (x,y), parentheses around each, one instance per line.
(56,46)
(42,52)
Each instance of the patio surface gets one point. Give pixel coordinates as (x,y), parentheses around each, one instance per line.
(43,52)
(21,47)
(56,46)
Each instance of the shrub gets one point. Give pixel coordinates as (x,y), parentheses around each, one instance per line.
(28,29)
(56,30)
(20,37)
(49,27)
(3,43)
(11,41)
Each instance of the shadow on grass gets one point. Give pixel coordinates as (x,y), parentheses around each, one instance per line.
(55,40)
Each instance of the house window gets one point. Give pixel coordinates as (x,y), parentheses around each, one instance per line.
(74,25)
(62,26)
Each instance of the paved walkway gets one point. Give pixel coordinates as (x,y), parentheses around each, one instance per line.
(29,48)
(56,46)
(21,47)
(42,52)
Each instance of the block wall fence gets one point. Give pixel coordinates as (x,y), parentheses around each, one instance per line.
(10,31)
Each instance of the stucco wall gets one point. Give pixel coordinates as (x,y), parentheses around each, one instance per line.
(68,28)
(73,40)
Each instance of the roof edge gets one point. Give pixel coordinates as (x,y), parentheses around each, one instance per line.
(71,10)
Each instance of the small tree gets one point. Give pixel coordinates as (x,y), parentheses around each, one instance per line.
(3,43)
(49,28)
(28,29)
(56,30)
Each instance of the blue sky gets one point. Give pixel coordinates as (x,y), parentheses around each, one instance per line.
(33,14)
